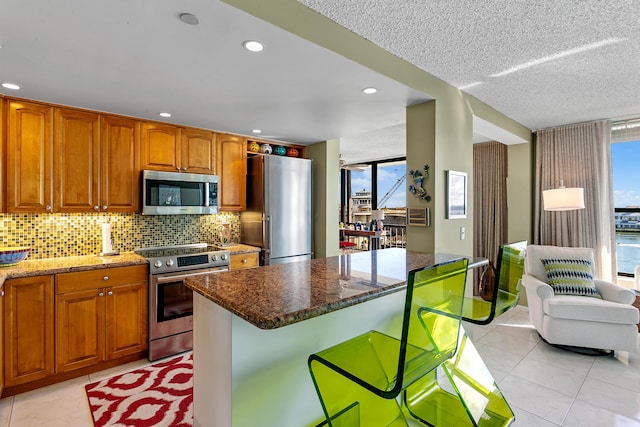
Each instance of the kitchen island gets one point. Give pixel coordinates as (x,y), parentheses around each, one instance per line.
(254,330)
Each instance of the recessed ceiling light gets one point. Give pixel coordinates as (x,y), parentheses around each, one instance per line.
(369,90)
(165,114)
(256,131)
(11,86)
(253,46)
(189,18)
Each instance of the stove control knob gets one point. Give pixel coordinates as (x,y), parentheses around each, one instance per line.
(214,257)
(169,262)
(157,264)
(223,256)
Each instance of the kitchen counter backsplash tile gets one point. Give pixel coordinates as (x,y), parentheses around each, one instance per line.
(63,235)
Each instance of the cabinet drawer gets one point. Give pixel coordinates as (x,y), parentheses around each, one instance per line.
(239,261)
(82,280)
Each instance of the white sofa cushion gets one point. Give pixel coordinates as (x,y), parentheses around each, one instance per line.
(589,309)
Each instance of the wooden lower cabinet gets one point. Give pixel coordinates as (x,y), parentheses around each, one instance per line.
(239,261)
(100,315)
(28,329)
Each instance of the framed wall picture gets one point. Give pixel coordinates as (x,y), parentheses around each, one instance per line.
(418,216)
(456,194)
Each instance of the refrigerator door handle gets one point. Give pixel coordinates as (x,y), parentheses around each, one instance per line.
(268,239)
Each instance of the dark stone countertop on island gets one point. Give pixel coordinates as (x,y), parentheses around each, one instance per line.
(274,296)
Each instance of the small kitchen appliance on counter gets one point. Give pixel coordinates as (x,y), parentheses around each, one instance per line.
(170,301)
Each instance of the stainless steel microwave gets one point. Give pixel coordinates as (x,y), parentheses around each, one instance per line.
(177,193)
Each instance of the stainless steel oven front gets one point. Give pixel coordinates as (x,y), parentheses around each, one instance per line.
(171,312)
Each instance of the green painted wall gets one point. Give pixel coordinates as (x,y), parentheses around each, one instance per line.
(326,198)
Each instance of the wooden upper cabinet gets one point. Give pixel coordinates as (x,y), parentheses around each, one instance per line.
(198,151)
(232,169)
(2,198)
(29,157)
(76,161)
(160,147)
(119,164)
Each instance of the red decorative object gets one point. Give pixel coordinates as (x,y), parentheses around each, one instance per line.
(157,395)
(292,152)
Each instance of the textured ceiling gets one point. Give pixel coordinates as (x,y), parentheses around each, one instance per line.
(137,58)
(593,75)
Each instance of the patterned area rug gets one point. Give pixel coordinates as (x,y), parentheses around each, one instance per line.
(160,395)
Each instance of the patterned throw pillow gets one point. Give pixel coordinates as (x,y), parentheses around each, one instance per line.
(571,277)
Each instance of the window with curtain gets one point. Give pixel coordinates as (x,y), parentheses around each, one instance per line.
(579,155)
(625,158)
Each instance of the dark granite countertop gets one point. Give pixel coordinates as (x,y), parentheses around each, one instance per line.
(273,296)
(37,267)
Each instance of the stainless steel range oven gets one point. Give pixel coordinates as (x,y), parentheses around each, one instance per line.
(170,301)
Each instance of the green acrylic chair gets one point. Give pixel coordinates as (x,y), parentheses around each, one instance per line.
(506,292)
(360,382)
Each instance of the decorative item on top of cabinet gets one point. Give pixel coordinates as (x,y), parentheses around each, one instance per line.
(101,315)
(259,146)
(253,147)
(232,169)
(265,148)
(28,329)
(279,150)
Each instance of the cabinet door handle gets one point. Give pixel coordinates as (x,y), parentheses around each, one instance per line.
(110,293)
(244,260)
(48,208)
(2,293)
(105,278)
(184,168)
(101,294)
(96,208)
(104,208)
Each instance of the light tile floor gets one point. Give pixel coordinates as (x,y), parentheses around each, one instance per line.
(545,386)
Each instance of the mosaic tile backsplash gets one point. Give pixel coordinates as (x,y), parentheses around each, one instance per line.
(61,235)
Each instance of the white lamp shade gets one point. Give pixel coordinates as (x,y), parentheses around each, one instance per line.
(377,215)
(563,199)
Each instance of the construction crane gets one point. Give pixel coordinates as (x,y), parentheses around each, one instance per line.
(391,191)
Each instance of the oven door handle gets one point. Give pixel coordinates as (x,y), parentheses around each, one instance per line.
(169,277)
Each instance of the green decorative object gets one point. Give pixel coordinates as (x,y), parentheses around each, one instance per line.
(418,178)
(358,381)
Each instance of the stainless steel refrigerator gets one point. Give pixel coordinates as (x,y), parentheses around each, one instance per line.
(278,217)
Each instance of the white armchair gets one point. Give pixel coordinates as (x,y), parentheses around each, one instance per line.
(607,323)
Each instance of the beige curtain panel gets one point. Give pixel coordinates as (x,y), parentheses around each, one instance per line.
(580,156)
(489,200)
